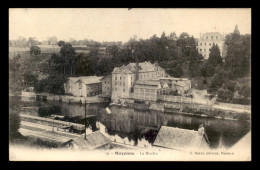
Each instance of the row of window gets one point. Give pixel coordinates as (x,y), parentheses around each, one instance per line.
(93,88)
(115,89)
(212,37)
(205,44)
(204,50)
(121,78)
(123,83)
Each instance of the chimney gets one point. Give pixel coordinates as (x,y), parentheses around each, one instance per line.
(137,68)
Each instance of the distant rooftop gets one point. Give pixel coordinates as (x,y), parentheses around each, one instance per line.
(90,79)
(131,67)
(92,141)
(87,79)
(48,46)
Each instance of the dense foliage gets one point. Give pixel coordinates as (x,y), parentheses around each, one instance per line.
(177,55)
(14,124)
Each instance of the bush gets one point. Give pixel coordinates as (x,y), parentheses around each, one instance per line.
(175,72)
(14,124)
(225,94)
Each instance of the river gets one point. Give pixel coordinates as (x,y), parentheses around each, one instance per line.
(141,127)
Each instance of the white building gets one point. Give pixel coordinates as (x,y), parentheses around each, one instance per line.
(83,86)
(206,41)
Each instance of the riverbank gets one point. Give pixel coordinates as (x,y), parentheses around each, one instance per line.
(64,98)
(211,111)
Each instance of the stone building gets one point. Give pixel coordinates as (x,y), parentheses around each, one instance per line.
(83,86)
(147,90)
(206,41)
(107,85)
(179,85)
(124,77)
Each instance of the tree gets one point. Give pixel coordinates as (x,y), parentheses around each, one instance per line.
(52,40)
(14,124)
(32,41)
(52,84)
(176,72)
(238,54)
(21,42)
(236,32)
(245,91)
(217,80)
(225,94)
(35,50)
(61,43)
(30,79)
(213,61)
(83,65)
(194,59)
(68,55)
(15,74)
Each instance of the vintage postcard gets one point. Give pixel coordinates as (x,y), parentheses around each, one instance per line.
(128,84)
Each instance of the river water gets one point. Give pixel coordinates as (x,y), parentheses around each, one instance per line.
(141,127)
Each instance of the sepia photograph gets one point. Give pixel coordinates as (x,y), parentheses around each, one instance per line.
(129,84)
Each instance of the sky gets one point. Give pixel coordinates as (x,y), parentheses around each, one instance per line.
(110,24)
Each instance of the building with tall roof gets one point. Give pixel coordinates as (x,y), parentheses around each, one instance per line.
(206,40)
(124,77)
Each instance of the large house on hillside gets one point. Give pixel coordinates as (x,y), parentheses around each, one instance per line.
(124,77)
(206,41)
(83,86)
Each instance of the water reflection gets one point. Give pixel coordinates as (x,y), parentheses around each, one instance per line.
(135,127)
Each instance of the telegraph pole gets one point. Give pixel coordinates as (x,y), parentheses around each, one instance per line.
(85,118)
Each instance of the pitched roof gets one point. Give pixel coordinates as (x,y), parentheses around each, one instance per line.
(220,36)
(90,79)
(164,84)
(131,67)
(73,79)
(108,76)
(92,141)
(179,139)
